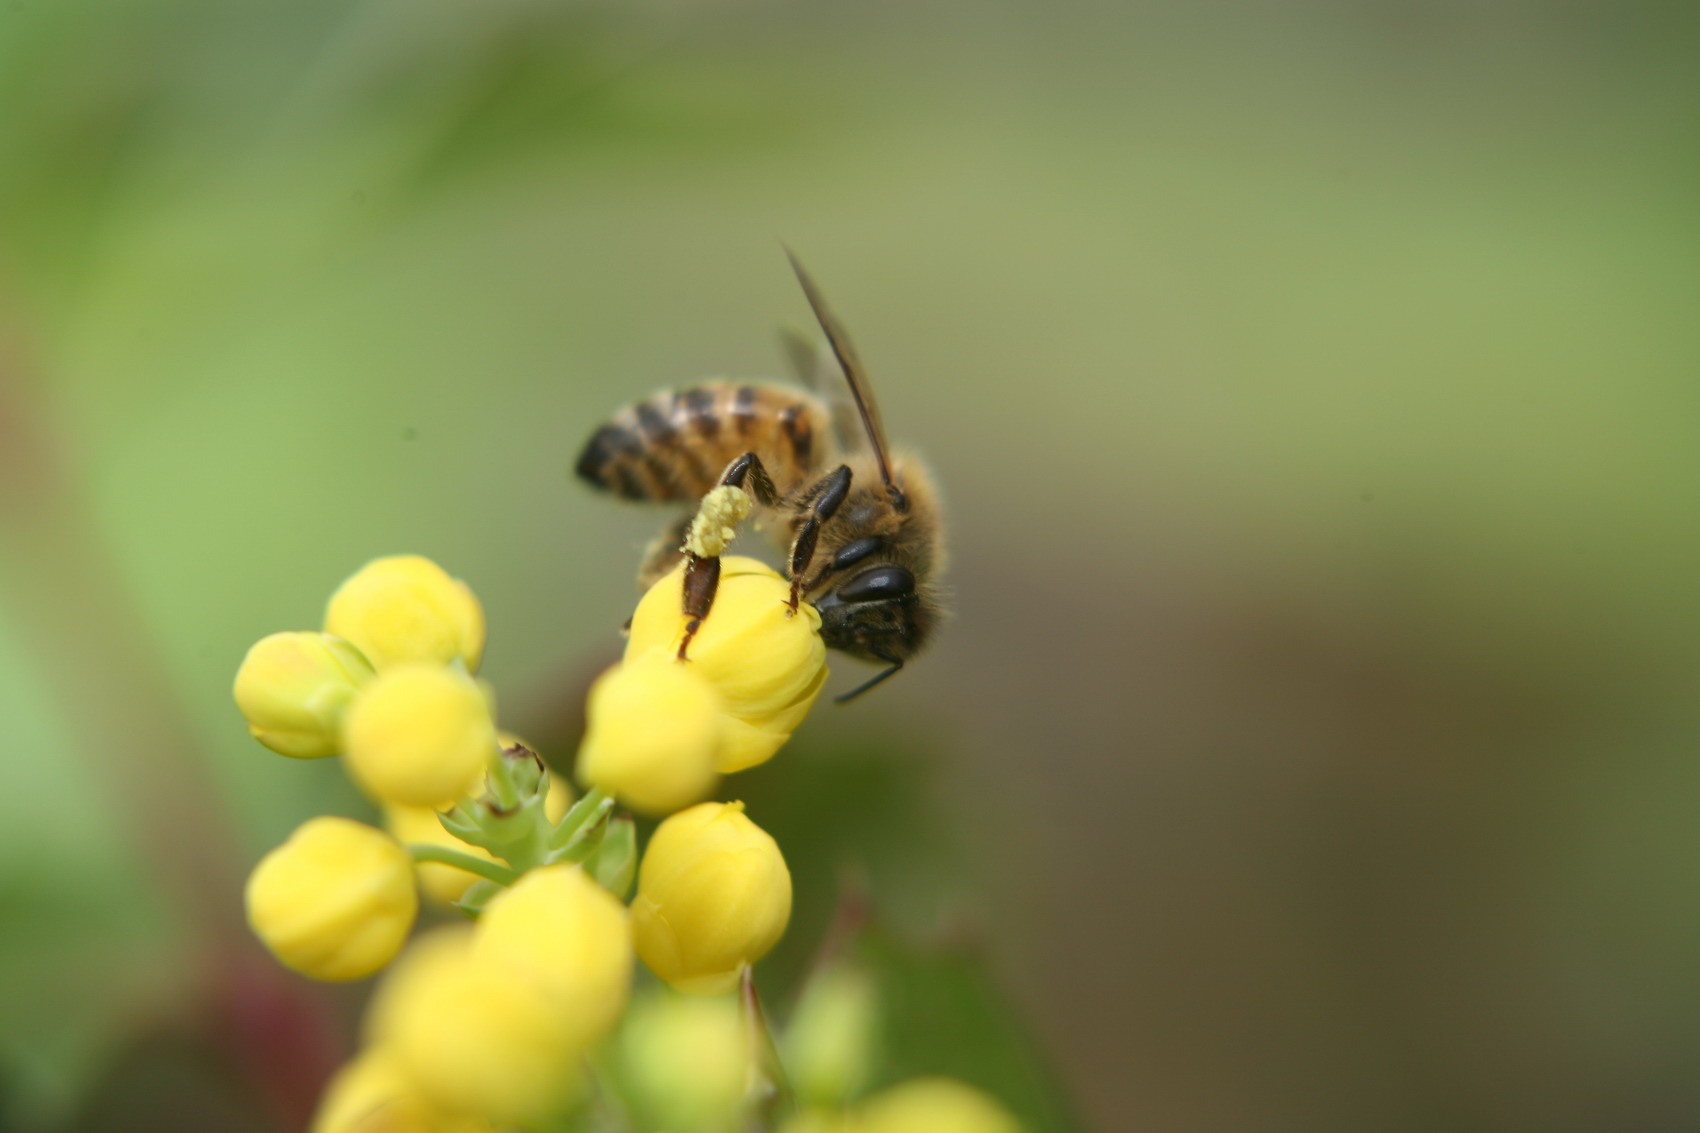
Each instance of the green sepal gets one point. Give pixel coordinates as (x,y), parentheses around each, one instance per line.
(591,809)
(517,836)
(461,823)
(614,862)
(586,842)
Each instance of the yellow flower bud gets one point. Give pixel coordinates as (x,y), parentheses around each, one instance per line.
(420,735)
(767,665)
(933,1105)
(713,896)
(407,608)
(335,901)
(294,689)
(566,936)
(372,1094)
(653,730)
(471,1036)
(688,1060)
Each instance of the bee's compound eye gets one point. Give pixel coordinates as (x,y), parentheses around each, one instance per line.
(880,582)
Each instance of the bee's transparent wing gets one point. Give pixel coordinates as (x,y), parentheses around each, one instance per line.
(815,367)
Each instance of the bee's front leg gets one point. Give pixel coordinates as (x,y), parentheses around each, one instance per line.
(823,501)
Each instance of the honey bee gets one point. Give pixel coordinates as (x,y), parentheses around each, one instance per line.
(861,522)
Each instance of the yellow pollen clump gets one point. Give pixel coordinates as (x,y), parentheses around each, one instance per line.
(716,521)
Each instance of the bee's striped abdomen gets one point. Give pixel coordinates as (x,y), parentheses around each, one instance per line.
(675,445)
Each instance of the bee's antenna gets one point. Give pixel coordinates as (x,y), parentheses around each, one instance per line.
(852,367)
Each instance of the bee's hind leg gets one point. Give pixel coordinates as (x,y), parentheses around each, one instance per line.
(706,535)
(702,579)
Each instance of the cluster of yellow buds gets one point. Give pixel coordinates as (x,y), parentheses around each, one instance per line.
(494,1024)
(660,732)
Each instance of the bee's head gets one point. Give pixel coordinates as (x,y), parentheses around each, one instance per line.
(876,614)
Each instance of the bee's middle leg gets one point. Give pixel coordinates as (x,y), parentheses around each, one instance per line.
(749,473)
(661,557)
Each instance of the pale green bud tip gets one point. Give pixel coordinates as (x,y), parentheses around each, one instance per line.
(921,1105)
(653,730)
(688,1058)
(420,735)
(335,901)
(714,896)
(294,689)
(407,608)
(830,1043)
(934,1105)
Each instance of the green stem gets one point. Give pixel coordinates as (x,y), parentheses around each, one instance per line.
(483,867)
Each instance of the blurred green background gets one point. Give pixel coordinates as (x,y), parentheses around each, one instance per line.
(1313,385)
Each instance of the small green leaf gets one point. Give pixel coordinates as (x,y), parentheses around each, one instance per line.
(477,895)
(614,863)
(591,809)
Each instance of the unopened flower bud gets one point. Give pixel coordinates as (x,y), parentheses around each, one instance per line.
(832,1037)
(294,689)
(713,897)
(688,1060)
(473,1037)
(653,729)
(767,664)
(407,608)
(335,901)
(567,937)
(420,735)
(372,1094)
